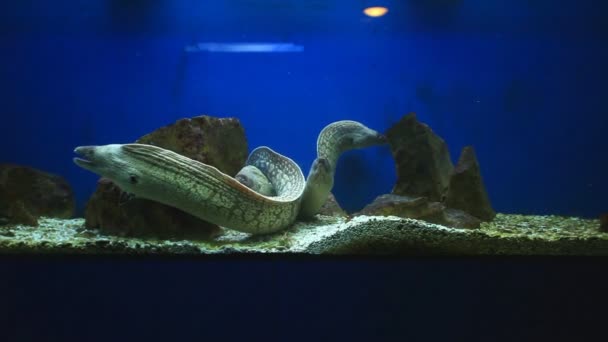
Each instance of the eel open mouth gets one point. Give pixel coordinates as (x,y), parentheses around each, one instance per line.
(88,154)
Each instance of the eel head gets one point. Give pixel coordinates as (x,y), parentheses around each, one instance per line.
(366,137)
(113,162)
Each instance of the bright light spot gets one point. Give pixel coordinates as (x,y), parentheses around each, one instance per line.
(376,11)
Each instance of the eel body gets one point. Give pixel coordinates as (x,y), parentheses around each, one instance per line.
(335,139)
(202,190)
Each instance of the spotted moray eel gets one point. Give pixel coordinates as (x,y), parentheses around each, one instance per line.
(202,190)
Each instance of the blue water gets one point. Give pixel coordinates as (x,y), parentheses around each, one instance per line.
(522,81)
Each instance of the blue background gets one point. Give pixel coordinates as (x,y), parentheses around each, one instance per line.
(522,81)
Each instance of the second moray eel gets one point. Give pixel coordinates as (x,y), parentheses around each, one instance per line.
(202,190)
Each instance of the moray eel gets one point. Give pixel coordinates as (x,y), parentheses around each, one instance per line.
(334,139)
(202,190)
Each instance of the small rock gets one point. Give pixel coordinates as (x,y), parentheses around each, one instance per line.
(402,206)
(332,207)
(466,191)
(458,219)
(604,222)
(422,160)
(419,208)
(27,193)
(220,142)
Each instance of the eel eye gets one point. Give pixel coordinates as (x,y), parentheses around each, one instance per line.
(133,179)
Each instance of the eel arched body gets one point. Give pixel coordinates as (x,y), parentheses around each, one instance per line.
(202,190)
(334,139)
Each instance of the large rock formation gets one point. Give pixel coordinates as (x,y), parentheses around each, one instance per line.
(466,191)
(422,160)
(428,186)
(27,193)
(214,141)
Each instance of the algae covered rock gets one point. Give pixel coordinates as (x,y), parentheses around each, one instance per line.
(220,142)
(27,193)
(422,159)
(466,191)
(419,208)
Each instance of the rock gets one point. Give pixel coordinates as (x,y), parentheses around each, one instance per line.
(457,219)
(448,217)
(27,193)
(17,213)
(422,160)
(332,207)
(419,208)
(604,222)
(220,142)
(108,211)
(402,206)
(425,170)
(466,190)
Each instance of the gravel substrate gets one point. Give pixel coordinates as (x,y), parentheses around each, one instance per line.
(363,235)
